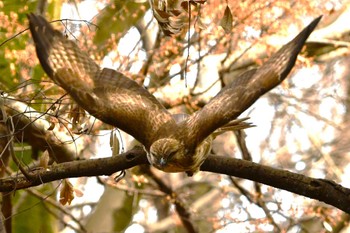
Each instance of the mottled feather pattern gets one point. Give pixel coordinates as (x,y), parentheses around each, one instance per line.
(279,65)
(59,55)
(137,108)
(65,55)
(246,89)
(107,94)
(170,15)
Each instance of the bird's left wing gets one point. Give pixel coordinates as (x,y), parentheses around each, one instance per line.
(244,91)
(105,93)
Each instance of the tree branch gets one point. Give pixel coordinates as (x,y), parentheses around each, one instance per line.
(92,167)
(320,189)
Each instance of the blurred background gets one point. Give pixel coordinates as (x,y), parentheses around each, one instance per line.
(301,126)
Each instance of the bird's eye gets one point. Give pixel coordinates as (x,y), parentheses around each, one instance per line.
(171,154)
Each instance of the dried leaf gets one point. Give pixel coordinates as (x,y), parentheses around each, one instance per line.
(114,143)
(184,4)
(52,126)
(44,159)
(66,193)
(199,1)
(226,21)
(78,192)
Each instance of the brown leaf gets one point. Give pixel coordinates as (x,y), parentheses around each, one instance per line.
(52,126)
(114,143)
(199,1)
(44,159)
(184,4)
(226,21)
(66,193)
(78,192)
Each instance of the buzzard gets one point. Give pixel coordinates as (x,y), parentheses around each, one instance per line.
(173,144)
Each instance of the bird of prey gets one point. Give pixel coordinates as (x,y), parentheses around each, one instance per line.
(173,144)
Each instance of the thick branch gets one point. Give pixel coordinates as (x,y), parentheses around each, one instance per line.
(320,189)
(92,167)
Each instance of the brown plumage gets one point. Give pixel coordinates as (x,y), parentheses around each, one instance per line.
(172,144)
(171,15)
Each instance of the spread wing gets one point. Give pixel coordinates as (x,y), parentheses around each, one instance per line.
(244,91)
(105,93)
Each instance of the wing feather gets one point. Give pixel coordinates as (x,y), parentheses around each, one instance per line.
(244,91)
(105,93)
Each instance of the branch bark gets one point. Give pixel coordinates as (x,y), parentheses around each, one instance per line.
(83,168)
(319,189)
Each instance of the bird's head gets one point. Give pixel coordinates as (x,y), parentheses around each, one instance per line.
(172,155)
(169,155)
